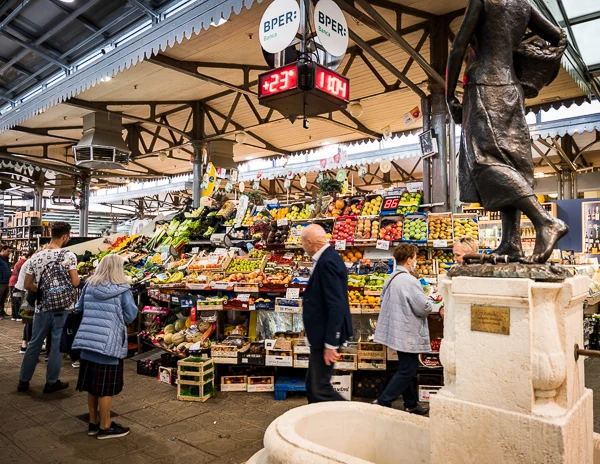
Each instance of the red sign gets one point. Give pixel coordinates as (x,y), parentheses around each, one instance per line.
(390,203)
(279,80)
(332,83)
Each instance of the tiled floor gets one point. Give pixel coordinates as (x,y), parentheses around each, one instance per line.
(38,428)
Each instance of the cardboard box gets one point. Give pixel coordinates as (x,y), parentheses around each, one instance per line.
(165,375)
(279,358)
(347,362)
(234,383)
(392,355)
(301,360)
(426,391)
(343,385)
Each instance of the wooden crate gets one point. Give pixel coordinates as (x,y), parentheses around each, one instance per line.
(279,358)
(371,350)
(436,241)
(301,360)
(261,384)
(223,351)
(301,347)
(368,364)
(234,383)
(195,364)
(201,392)
(200,389)
(347,362)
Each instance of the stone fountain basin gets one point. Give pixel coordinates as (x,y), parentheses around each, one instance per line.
(345,432)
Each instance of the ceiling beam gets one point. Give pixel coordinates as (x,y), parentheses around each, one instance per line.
(147,10)
(403,9)
(43,132)
(35,49)
(190,68)
(80,19)
(28,159)
(100,106)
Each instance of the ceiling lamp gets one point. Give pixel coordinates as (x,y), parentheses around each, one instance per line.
(67,1)
(240,137)
(162,156)
(356,109)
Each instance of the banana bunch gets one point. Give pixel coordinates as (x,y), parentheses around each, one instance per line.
(176,277)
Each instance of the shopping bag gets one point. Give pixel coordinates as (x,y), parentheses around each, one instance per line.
(69,331)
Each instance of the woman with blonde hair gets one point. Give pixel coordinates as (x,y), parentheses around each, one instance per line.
(108,306)
(464,246)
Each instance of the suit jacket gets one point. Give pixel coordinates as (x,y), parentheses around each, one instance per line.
(326,312)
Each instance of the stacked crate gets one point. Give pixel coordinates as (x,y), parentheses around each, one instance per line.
(196,379)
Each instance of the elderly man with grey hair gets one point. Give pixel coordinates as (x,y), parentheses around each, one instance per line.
(326,313)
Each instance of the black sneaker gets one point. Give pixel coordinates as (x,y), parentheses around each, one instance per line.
(93,429)
(22,387)
(115,431)
(56,386)
(419,410)
(22,350)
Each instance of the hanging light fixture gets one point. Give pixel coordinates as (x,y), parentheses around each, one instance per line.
(356,109)
(240,137)
(162,156)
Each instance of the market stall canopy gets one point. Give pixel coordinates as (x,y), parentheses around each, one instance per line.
(191,76)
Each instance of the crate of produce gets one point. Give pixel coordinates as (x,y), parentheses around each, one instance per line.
(223,351)
(195,364)
(205,304)
(201,392)
(391,228)
(415,228)
(301,346)
(279,358)
(346,362)
(285,305)
(371,308)
(264,304)
(253,356)
(466,224)
(261,384)
(245,265)
(371,350)
(278,233)
(372,205)
(288,384)
(212,262)
(355,308)
(301,360)
(234,383)
(441,230)
(367,231)
(344,229)
(368,384)
(409,202)
(294,238)
(426,266)
(427,391)
(367,364)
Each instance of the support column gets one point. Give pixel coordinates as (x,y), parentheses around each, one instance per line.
(426,112)
(439,43)
(38,194)
(453,171)
(141,209)
(84,205)
(197,174)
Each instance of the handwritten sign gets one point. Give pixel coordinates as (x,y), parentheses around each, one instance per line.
(292,293)
(213,259)
(282,222)
(440,244)
(288,256)
(340,245)
(243,296)
(383,245)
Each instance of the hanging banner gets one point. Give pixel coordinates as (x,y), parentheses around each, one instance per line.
(255,185)
(323,164)
(319,178)
(242,187)
(303,181)
(332,28)
(290,174)
(362,172)
(229,187)
(279,25)
(287,184)
(385,166)
(209,179)
(233,177)
(341,175)
(221,173)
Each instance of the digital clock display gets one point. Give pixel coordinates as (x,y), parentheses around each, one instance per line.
(278,81)
(332,83)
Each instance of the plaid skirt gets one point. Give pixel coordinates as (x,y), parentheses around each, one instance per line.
(100,379)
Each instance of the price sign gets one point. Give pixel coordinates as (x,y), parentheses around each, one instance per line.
(243,296)
(164,256)
(383,245)
(390,205)
(220,251)
(340,245)
(282,222)
(414,187)
(195,250)
(292,293)
(288,256)
(440,244)
(213,259)
(296,232)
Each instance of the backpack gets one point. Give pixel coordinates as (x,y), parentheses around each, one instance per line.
(55,290)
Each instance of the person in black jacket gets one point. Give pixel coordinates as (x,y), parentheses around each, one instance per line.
(326,313)
(5,274)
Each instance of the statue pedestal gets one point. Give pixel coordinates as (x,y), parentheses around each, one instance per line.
(513,390)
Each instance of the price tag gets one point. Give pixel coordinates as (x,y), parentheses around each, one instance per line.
(282,222)
(440,244)
(164,256)
(219,286)
(353,281)
(383,245)
(414,187)
(213,259)
(296,232)
(220,251)
(251,307)
(292,293)
(288,256)
(340,245)
(195,250)
(243,296)
(348,265)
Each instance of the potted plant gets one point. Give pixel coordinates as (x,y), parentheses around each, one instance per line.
(330,186)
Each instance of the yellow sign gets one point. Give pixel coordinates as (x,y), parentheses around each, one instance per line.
(210,178)
(490,319)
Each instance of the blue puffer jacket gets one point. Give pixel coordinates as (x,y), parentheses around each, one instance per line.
(107,309)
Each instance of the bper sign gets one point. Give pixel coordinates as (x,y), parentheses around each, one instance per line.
(279,25)
(332,28)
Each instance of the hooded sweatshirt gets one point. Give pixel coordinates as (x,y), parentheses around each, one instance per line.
(102,335)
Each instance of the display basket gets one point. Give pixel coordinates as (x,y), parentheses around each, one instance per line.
(437,222)
(466,224)
(415,217)
(204,263)
(260,265)
(301,346)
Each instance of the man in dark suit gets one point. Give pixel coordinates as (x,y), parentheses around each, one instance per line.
(326,313)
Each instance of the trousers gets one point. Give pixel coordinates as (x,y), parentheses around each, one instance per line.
(318,379)
(45,324)
(403,382)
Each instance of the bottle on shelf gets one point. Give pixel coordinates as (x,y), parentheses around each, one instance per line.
(587,242)
(597,214)
(589,216)
(596,244)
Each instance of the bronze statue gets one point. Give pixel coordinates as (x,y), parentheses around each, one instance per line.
(495,162)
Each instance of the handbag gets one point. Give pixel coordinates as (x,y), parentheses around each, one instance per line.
(70,329)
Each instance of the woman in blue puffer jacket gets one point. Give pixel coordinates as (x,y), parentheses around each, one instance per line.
(108,306)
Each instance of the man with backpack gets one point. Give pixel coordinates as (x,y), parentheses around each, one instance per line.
(52,275)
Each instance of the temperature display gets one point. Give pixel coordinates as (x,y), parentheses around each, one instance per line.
(278,80)
(332,83)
